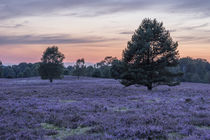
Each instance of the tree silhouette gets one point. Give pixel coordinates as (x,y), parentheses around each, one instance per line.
(51,66)
(79,67)
(0,69)
(148,57)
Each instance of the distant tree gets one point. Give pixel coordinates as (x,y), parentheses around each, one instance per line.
(148,57)
(195,78)
(51,66)
(8,72)
(79,68)
(0,69)
(20,75)
(96,73)
(106,62)
(117,69)
(89,71)
(70,69)
(207,77)
(27,72)
(105,65)
(35,69)
(66,71)
(195,70)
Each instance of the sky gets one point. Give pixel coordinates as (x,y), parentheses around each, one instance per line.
(94,29)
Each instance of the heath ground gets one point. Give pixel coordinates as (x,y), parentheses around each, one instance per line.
(91,108)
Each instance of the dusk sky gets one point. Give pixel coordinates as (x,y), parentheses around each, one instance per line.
(93,29)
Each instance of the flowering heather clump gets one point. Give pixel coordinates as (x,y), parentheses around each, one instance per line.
(102,109)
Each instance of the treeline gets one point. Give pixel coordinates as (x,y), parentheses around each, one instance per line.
(23,70)
(194,70)
(100,70)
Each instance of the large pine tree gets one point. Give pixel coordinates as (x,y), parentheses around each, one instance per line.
(149,57)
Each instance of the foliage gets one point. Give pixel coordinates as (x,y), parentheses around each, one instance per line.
(89,71)
(79,68)
(117,69)
(100,69)
(148,57)
(22,70)
(96,73)
(103,68)
(8,72)
(0,69)
(69,70)
(51,66)
(195,70)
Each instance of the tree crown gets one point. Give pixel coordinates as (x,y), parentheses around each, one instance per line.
(52,55)
(148,56)
(151,43)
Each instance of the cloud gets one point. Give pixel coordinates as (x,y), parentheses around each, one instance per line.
(126,33)
(171,31)
(11,26)
(207,31)
(193,6)
(193,39)
(49,39)
(196,27)
(12,8)
(15,8)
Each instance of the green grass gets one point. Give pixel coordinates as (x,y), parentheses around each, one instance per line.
(67,101)
(50,126)
(134,99)
(203,127)
(174,136)
(121,109)
(63,132)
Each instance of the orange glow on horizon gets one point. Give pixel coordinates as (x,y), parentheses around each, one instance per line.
(92,53)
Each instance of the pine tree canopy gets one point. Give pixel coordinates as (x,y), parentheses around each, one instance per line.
(149,56)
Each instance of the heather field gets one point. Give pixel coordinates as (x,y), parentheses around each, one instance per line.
(102,109)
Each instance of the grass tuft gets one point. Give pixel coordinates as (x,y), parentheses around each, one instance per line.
(64,132)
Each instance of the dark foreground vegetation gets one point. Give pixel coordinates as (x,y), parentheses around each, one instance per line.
(75,109)
(194,70)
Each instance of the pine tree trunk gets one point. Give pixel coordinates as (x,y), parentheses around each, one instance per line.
(149,87)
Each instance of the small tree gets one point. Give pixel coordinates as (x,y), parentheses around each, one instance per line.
(107,61)
(105,65)
(117,69)
(148,57)
(0,69)
(51,66)
(79,67)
